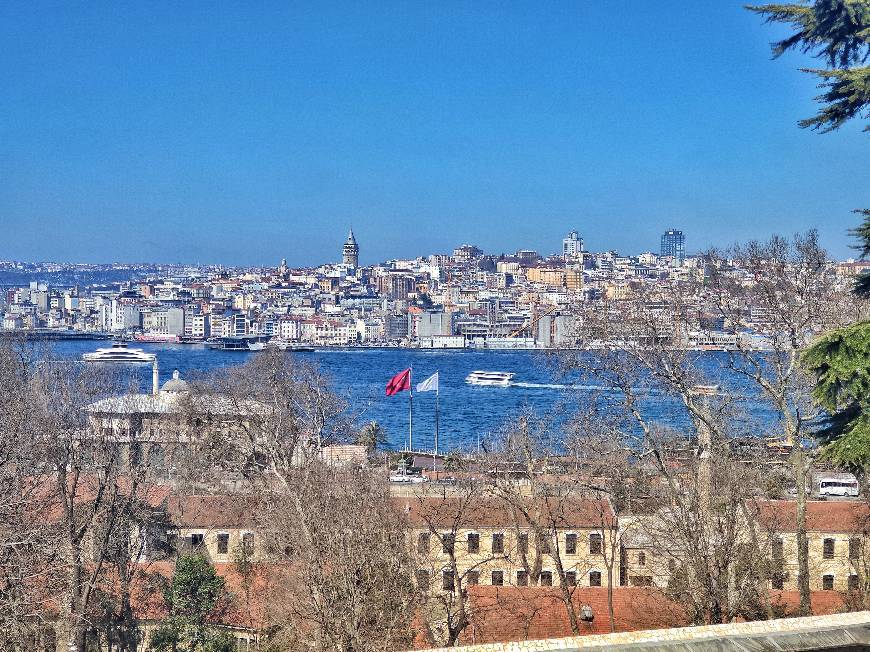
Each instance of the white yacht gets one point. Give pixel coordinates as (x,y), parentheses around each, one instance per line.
(118,352)
(495,378)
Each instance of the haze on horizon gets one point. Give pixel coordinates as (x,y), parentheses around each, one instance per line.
(241,135)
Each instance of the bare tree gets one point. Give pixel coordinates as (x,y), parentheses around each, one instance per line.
(785,293)
(346,586)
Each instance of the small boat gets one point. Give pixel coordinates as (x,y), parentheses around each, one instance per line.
(490,378)
(119,353)
(256,346)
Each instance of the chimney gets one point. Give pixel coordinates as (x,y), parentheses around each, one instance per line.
(155,378)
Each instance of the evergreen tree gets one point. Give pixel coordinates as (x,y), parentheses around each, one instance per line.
(192,595)
(838,32)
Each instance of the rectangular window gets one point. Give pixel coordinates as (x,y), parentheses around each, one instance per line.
(594,578)
(594,544)
(423,580)
(196,540)
(223,543)
(423,543)
(571,578)
(776,548)
(544,545)
(853,582)
(546,578)
(570,544)
(497,578)
(248,543)
(498,543)
(447,543)
(854,548)
(472,577)
(828,549)
(641,558)
(828,582)
(522,578)
(447,580)
(473,542)
(523,544)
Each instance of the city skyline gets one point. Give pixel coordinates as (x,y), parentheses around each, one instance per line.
(179,134)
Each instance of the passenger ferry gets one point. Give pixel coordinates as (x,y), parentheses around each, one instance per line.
(493,378)
(119,352)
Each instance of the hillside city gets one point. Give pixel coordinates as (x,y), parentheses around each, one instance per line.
(465,299)
(471,450)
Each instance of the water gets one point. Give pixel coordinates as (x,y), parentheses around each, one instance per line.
(467,412)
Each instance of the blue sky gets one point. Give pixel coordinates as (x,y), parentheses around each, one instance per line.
(241,133)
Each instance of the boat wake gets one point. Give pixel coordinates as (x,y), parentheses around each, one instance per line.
(582,388)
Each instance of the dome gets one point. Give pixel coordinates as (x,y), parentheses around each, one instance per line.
(175,385)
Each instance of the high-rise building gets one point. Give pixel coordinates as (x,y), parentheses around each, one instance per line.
(350,251)
(674,244)
(572,245)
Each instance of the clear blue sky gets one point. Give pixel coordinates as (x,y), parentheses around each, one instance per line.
(243,132)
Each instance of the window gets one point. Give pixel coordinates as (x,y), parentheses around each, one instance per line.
(571,578)
(447,580)
(473,542)
(828,582)
(497,578)
(523,543)
(594,544)
(472,577)
(570,544)
(594,578)
(776,581)
(853,582)
(498,543)
(776,548)
(672,565)
(546,578)
(641,559)
(854,548)
(423,580)
(223,543)
(828,549)
(423,543)
(522,578)
(447,543)
(544,545)
(248,543)
(196,540)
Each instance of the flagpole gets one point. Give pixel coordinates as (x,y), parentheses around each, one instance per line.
(410,409)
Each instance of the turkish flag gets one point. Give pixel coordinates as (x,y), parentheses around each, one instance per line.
(399,383)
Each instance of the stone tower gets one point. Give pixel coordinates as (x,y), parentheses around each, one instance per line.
(350,251)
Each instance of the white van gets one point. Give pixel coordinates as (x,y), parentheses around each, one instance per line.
(838,486)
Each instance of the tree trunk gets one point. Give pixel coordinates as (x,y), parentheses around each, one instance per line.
(803,579)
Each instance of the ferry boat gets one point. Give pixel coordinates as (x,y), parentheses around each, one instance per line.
(293,347)
(119,352)
(493,378)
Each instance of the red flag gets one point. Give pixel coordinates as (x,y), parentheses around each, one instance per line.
(399,383)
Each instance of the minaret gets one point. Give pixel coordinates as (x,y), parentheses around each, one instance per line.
(350,251)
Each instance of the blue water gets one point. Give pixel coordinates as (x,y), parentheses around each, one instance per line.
(467,412)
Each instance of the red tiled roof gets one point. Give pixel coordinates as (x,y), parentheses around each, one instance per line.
(213,511)
(823,603)
(245,603)
(501,614)
(494,512)
(822,515)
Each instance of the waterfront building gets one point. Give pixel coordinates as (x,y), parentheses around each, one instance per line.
(673,245)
